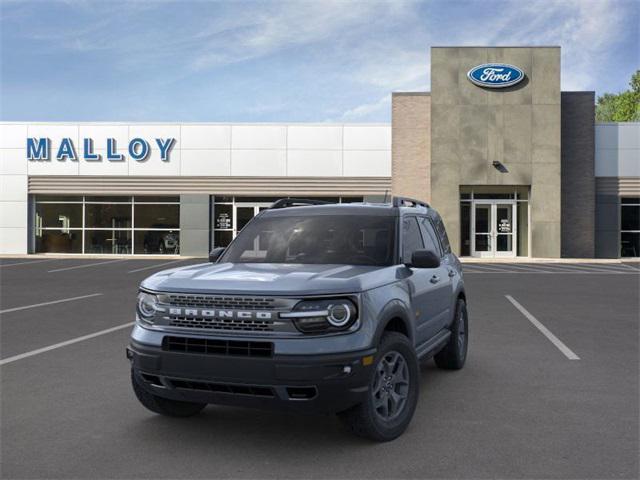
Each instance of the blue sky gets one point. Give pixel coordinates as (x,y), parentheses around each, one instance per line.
(273,61)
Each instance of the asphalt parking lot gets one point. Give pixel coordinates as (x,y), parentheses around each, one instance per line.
(550,389)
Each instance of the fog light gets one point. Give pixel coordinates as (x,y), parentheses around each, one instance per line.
(368,360)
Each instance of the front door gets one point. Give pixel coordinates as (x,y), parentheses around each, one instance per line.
(493,225)
(245,212)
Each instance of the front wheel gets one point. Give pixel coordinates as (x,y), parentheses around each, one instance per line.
(164,406)
(392,394)
(454,353)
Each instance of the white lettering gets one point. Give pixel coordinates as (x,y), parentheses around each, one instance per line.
(494,75)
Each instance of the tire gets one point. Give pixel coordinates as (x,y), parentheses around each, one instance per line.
(368,419)
(164,406)
(454,353)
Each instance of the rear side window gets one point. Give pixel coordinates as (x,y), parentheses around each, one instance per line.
(429,235)
(411,238)
(442,233)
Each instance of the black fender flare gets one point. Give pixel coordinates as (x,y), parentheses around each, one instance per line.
(394,309)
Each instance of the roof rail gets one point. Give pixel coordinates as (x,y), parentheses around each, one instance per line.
(404,201)
(294,202)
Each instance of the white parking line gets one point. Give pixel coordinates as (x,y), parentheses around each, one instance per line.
(580,268)
(28,262)
(15,358)
(544,330)
(63,300)
(529,268)
(475,266)
(86,265)
(155,266)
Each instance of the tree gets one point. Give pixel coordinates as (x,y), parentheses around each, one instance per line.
(621,107)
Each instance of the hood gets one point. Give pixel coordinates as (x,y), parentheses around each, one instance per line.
(270,279)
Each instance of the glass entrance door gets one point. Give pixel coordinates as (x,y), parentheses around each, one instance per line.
(493,229)
(504,215)
(243,212)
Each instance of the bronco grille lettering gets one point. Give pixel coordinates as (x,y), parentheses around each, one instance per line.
(233,314)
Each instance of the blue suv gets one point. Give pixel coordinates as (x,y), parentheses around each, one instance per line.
(314,307)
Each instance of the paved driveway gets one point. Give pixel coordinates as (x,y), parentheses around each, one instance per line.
(550,389)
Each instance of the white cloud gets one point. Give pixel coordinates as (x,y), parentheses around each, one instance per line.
(367,109)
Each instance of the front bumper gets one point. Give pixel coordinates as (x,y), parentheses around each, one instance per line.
(305,383)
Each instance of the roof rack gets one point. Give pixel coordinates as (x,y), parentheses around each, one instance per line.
(294,202)
(405,201)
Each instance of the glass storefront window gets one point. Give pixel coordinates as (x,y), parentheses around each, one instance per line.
(630,244)
(59,215)
(111,224)
(155,216)
(630,217)
(107,241)
(107,215)
(59,198)
(630,227)
(58,241)
(523,229)
(155,199)
(157,242)
(465,230)
(106,199)
(223,217)
(222,238)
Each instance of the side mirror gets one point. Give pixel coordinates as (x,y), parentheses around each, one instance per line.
(215,254)
(424,259)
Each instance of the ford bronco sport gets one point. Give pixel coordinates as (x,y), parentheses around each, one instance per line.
(313,307)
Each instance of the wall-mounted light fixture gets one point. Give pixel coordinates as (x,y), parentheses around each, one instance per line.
(500,167)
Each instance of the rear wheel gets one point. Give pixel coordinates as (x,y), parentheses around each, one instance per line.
(164,406)
(392,395)
(454,354)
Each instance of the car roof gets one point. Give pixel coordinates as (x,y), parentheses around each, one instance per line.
(372,209)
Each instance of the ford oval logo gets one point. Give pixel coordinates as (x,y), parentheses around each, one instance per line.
(495,75)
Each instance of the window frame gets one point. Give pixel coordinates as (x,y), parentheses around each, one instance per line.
(402,244)
(435,237)
(634,204)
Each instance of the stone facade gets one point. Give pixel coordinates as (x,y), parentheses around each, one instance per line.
(411,145)
(471,127)
(519,126)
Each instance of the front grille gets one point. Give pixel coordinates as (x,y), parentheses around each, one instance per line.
(253,390)
(217,347)
(222,324)
(222,302)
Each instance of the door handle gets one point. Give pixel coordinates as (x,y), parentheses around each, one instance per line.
(435,279)
(452,273)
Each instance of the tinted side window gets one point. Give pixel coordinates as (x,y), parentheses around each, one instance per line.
(429,236)
(411,238)
(442,233)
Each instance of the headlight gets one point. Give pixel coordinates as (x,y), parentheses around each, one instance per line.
(323,316)
(147,306)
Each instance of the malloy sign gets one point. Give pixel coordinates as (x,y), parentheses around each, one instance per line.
(495,75)
(40,149)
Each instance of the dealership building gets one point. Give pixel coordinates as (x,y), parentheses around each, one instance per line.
(515,166)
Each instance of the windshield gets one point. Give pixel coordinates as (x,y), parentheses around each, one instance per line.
(340,239)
